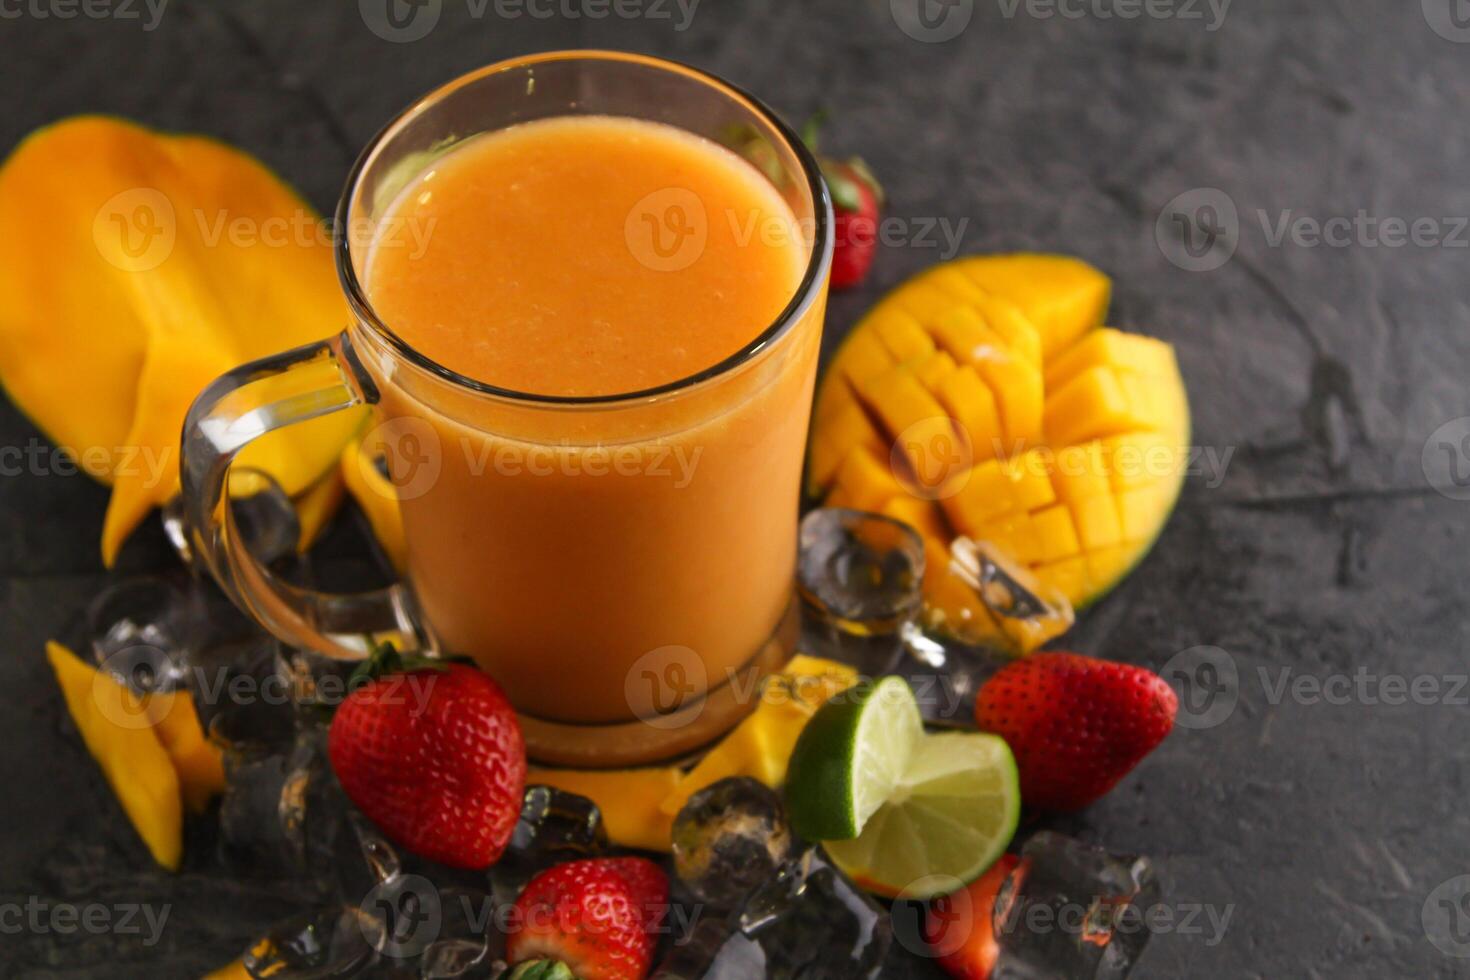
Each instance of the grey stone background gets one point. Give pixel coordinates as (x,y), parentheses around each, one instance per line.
(1330,375)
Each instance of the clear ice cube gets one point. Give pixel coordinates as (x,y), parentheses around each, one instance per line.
(1073,910)
(143,630)
(863,572)
(1028,611)
(814,923)
(555,826)
(281,812)
(324,943)
(728,839)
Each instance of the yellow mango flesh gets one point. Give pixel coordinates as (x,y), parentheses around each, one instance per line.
(136,267)
(1076,433)
(761,745)
(115,726)
(374,493)
(197,761)
(630,800)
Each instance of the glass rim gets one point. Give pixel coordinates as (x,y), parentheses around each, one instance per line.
(801,300)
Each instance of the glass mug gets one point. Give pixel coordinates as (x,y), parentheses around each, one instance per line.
(629,615)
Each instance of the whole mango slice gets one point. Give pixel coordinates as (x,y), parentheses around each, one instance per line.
(983,397)
(135,267)
(120,735)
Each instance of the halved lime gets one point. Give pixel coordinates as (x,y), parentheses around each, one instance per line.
(900,812)
(849,758)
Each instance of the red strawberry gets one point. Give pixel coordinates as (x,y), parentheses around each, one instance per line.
(961,927)
(1077,725)
(857,200)
(590,919)
(435,758)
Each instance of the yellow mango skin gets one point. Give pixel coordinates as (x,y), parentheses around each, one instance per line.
(167,260)
(114,725)
(761,745)
(630,800)
(1079,490)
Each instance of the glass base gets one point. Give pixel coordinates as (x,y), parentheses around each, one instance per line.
(665,736)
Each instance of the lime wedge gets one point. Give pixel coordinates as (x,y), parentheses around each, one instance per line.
(850,757)
(951,816)
(900,812)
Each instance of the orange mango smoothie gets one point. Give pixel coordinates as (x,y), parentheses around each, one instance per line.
(566,547)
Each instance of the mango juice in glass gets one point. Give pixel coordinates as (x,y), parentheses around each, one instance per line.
(589,330)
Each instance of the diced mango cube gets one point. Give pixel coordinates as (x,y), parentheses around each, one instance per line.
(1064,297)
(1068,576)
(972,406)
(1056,535)
(921,515)
(861,357)
(933,368)
(901,334)
(984,496)
(1015,535)
(963,332)
(1097,521)
(1092,404)
(1008,322)
(1138,459)
(1029,475)
(1142,510)
(1081,472)
(835,438)
(1113,348)
(1022,399)
(909,413)
(867,480)
(1111,564)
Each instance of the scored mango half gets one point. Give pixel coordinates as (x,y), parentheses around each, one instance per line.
(135,268)
(983,397)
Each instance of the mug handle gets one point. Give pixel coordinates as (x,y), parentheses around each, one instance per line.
(233,411)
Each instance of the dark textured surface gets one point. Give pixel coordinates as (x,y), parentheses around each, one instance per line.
(1322,827)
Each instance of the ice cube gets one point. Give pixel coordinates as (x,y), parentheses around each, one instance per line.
(555,826)
(730,838)
(1073,910)
(1028,611)
(714,949)
(281,812)
(327,942)
(467,944)
(143,631)
(863,571)
(861,575)
(814,923)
